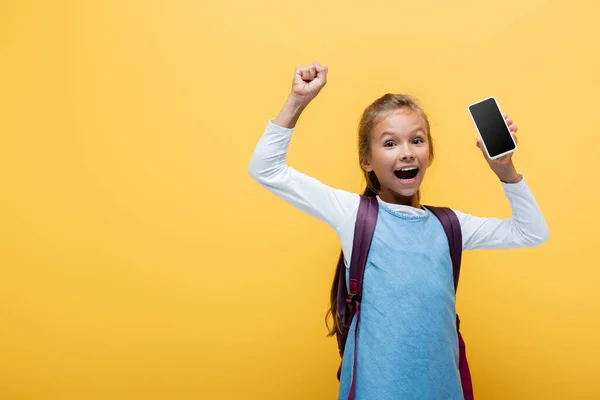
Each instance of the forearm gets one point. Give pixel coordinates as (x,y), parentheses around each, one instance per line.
(290,113)
(269,167)
(527,226)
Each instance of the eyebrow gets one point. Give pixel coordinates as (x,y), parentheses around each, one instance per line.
(390,133)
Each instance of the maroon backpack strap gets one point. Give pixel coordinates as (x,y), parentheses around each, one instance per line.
(348,300)
(451,226)
(364,228)
(453,232)
(366,219)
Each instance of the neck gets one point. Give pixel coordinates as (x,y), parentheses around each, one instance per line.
(395,198)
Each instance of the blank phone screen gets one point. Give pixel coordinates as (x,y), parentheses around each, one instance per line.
(491,126)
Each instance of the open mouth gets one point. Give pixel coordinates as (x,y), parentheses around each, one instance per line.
(407,173)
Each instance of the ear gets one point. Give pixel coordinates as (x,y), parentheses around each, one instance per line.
(367,165)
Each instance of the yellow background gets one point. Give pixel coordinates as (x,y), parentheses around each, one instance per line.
(139,260)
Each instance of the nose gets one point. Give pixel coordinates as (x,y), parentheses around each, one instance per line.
(407,153)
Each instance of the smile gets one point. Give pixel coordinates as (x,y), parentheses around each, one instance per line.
(408,173)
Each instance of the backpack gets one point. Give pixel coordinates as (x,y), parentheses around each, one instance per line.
(348,302)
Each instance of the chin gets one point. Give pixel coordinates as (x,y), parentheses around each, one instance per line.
(407,190)
(407,193)
(403,192)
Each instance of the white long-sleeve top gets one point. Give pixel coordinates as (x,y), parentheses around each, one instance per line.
(338,208)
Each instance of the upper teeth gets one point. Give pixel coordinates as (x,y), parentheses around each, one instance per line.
(408,168)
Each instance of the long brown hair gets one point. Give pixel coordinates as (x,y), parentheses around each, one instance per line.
(372,115)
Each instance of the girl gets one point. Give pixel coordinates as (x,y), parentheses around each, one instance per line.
(407,346)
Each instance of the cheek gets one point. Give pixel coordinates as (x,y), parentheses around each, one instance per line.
(424,155)
(387,158)
(378,158)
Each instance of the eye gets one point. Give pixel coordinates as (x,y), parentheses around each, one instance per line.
(418,141)
(389,144)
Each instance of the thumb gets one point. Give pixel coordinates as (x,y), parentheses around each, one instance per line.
(479,144)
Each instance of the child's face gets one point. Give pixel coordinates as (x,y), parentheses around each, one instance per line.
(399,154)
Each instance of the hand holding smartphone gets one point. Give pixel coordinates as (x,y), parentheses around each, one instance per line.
(492,128)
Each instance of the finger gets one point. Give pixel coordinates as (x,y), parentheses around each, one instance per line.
(323,73)
(306,74)
(303,72)
(313,72)
(321,70)
(320,67)
(479,145)
(515,137)
(509,121)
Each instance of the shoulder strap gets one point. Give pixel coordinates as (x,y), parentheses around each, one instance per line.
(364,228)
(366,219)
(453,232)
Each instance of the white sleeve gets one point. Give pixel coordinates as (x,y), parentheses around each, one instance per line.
(268,166)
(526,228)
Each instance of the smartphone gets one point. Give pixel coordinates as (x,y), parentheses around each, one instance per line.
(492,127)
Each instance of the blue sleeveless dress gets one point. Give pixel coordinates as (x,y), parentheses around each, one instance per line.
(407,346)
